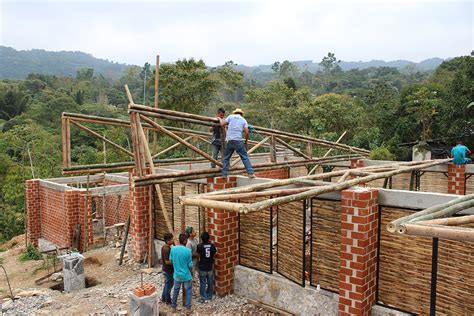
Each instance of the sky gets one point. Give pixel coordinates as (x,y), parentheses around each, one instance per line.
(246,32)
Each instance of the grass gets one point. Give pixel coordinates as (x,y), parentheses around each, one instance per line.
(31,253)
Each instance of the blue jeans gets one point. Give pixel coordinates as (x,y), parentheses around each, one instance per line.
(166,295)
(239,147)
(216,148)
(187,287)
(206,278)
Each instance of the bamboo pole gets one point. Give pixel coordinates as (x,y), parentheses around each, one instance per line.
(435,231)
(450,221)
(182,141)
(200,119)
(344,176)
(164,151)
(448,211)
(205,173)
(250,195)
(171,118)
(157,77)
(183,210)
(393,225)
(254,148)
(262,205)
(293,149)
(102,138)
(157,186)
(63,141)
(327,153)
(236,207)
(86,237)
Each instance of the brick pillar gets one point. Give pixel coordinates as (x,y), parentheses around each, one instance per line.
(81,211)
(33,211)
(223,229)
(357,273)
(139,219)
(457,179)
(357,163)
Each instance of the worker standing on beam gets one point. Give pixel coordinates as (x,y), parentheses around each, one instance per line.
(236,126)
(216,137)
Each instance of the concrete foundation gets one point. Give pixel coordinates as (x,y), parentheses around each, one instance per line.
(277,291)
(143,306)
(73,271)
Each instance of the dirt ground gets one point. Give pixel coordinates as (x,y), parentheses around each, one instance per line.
(107,294)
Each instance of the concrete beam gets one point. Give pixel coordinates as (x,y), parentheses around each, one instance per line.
(109,190)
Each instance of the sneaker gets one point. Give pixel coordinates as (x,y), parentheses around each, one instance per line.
(201,300)
(251,176)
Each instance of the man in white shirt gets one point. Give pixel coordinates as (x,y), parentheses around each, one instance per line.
(234,141)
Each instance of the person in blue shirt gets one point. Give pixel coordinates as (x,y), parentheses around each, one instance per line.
(181,258)
(459,153)
(236,125)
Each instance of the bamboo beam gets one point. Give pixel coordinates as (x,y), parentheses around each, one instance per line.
(394,225)
(258,206)
(450,221)
(157,77)
(328,152)
(164,151)
(293,149)
(203,173)
(102,138)
(182,141)
(251,195)
(344,176)
(64,141)
(161,200)
(170,117)
(235,207)
(436,231)
(254,148)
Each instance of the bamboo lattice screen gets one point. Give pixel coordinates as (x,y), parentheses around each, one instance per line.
(291,243)
(325,243)
(255,239)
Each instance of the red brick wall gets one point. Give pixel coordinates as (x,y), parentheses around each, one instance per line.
(82,197)
(53,216)
(223,229)
(33,211)
(280,173)
(116,208)
(358,269)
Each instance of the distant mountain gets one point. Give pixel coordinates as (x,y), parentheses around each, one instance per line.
(19,64)
(309,65)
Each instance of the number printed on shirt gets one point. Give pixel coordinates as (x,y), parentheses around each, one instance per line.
(208,252)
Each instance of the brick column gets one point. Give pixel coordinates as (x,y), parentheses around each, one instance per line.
(81,212)
(357,273)
(457,179)
(33,211)
(357,163)
(139,219)
(223,229)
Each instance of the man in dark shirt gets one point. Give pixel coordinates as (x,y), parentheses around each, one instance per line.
(206,251)
(167,269)
(216,137)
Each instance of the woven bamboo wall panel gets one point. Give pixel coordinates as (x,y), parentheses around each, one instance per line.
(405,268)
(255,237)
(160,224)
(401,181)
(455,289)
(191,212)
(298,172)
(325,243)
(470,185)
(291,232)
(434,182)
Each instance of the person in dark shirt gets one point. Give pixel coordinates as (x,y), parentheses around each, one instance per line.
(216,137)
(167,269)
(206,251)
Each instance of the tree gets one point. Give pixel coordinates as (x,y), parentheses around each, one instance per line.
(187,86)
(330,63)
(424,104)
(13,102)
